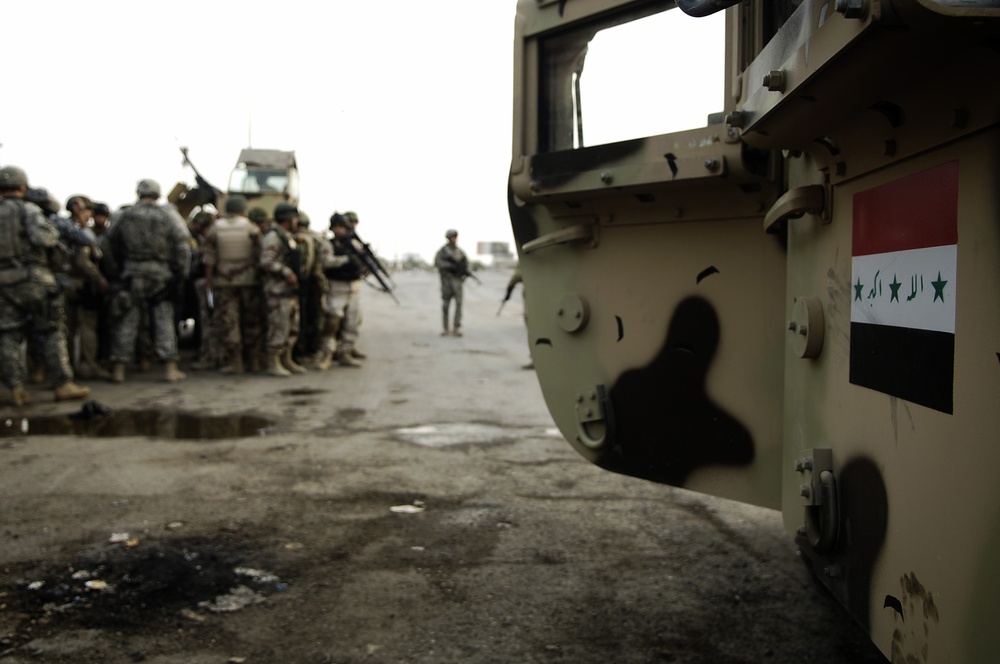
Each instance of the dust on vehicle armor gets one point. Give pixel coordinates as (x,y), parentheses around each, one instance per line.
(792,299)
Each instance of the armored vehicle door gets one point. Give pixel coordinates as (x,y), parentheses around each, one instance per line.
(652,294)
(889,134)
(792,302)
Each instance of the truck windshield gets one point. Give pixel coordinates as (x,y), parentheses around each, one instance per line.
(255,181)
(631,78)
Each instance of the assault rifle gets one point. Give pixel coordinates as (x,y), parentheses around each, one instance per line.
(464,271)
(373,259)
(370,262)
(506,297)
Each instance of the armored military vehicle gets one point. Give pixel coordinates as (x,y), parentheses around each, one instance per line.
(265,177)
(763,302)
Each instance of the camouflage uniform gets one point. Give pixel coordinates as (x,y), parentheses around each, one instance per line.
(30,300)
(452,265)
(85,292)
(279,263)
(232,250)
(152,247)
(312,290)
(343,303)
(208,350)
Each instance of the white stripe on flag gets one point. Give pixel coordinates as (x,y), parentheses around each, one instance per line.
(914,289)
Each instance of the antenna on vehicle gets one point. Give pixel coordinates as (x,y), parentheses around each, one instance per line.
(250,123)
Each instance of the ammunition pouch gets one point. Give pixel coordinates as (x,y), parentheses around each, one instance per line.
(121,302)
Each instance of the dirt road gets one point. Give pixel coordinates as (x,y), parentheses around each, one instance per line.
(421,509)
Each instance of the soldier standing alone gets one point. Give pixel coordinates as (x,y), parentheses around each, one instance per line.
(30,300)
(150,244)
(452,265)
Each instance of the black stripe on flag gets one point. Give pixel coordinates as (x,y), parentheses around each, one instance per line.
(916,365)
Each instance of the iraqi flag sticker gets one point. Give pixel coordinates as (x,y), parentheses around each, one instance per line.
(904,280)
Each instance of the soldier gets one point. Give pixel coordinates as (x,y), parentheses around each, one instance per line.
(312,291)
(452,265)
(100,226)
(100,219)
(343,304)
(85,292)
(516,279)
(30,300)
(232,251)
(151,246)
(280,262)
(258,215)
(208,349)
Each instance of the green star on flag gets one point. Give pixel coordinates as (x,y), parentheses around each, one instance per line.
(939,287)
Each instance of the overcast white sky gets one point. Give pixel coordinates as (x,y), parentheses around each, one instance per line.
(399,110)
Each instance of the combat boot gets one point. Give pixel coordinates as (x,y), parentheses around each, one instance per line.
(457,332)
(324,359)
(357,353)
(70,390)
(274,367)
(118,372)
(235,366)
(344,358)
(172,374)
(18,396)
(289,363)
(203,364)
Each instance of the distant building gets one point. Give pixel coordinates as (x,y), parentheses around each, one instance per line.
(499,251)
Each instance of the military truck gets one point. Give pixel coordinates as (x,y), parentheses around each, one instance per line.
(764,303)
(265,177)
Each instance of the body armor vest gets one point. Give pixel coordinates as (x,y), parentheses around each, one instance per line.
(13,238)
(350,271)
(235,245)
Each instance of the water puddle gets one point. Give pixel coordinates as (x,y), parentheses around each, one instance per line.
(153,423)
(446,435)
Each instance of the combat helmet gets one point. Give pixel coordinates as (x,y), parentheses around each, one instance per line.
(285,212)
(202,220)
(148,189)
(237,203)
(257,215)
(451,233)
(338,219)
(80,202)
(12,177)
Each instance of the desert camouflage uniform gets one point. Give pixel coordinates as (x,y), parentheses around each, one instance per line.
(279,257)
(151,245)
(30,299)
(232,250)
(343,303)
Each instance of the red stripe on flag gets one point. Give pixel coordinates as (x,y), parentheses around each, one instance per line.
(914,212)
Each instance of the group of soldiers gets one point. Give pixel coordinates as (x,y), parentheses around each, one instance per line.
(103,288)
(275,294)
